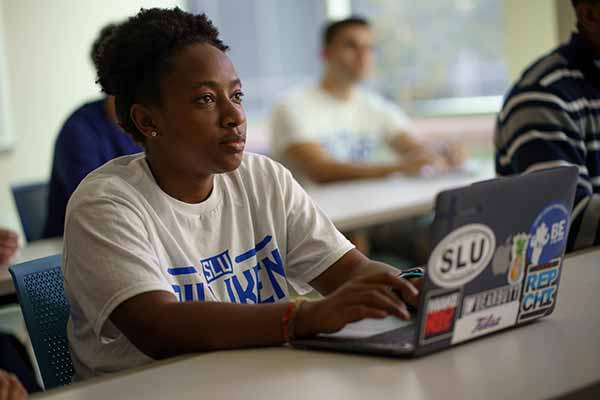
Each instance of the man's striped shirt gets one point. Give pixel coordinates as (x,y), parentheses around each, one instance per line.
(551,117)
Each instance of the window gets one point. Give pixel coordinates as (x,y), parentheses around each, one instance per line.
(434,57)
(439,56)
(274,44)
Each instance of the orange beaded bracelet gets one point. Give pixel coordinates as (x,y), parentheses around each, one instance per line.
(288,320)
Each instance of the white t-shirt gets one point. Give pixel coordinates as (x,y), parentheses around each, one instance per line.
(355,130)
(257,233)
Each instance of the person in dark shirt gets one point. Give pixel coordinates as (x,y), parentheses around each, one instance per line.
(89,138)
(551,118)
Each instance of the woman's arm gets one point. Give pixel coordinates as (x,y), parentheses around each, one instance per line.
(357,288)
(351,265)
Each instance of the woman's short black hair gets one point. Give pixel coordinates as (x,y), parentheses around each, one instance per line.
(102,36)
(131,61)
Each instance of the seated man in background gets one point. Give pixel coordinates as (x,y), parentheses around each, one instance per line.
(335,130)
(90,137)
(551,118)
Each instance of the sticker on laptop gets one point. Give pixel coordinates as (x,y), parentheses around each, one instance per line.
(510,258)
(440,314)
(539,289)
(501,259)
(490,298)
(487,312)
(548,234)
(461,256)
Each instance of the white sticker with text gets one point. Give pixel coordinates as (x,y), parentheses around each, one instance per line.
(461,256)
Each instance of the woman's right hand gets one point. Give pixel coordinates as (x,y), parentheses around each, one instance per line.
(367,296)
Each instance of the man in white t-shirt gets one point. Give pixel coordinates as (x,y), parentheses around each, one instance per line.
(335,130)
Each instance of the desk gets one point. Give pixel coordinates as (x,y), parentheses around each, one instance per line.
(37,249)
(360,204)
(552,357)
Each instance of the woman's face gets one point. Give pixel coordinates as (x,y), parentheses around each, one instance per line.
(201,122)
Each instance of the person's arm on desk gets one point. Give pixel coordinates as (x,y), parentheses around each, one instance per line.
(318,165)
(355,288)
(443,156)
(9,243)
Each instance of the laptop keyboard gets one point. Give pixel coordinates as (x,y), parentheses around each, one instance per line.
(405,334)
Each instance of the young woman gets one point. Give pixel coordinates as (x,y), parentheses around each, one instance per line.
(193,246)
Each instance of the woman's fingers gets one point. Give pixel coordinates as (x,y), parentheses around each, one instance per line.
(407,290)
(376,296)
(360,312)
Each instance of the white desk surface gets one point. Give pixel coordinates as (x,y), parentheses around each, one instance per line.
(37,249)
(360,204)
(548,358)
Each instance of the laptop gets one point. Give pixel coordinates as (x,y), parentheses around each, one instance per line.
(495,262)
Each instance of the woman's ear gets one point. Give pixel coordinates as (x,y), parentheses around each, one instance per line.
(142,117)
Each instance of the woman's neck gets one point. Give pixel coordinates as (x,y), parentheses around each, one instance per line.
(178,184)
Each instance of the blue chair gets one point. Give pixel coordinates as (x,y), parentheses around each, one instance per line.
(31,201)
(40,291)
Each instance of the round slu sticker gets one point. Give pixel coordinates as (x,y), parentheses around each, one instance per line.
(548,234)
(461,255)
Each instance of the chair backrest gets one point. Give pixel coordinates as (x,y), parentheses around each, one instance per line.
(40,291)
(31,201)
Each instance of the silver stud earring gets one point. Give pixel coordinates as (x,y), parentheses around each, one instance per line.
(154,134)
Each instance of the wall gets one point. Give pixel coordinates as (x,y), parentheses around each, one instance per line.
(47,57)
(531,31)
(565,16)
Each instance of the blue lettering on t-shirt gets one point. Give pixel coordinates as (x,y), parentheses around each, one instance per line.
(177,290)
(259,286)
(238,291)
(245,294)
(188,294)
(252,252)
(185,292)
(217,266)
(181,270)
(276,267)
(229,291)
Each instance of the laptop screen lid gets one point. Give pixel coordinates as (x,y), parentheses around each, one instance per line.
(497,248)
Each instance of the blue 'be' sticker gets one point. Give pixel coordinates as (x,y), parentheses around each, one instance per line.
(548,234)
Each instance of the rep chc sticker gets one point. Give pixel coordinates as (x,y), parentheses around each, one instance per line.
(461,255)
(548,234)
